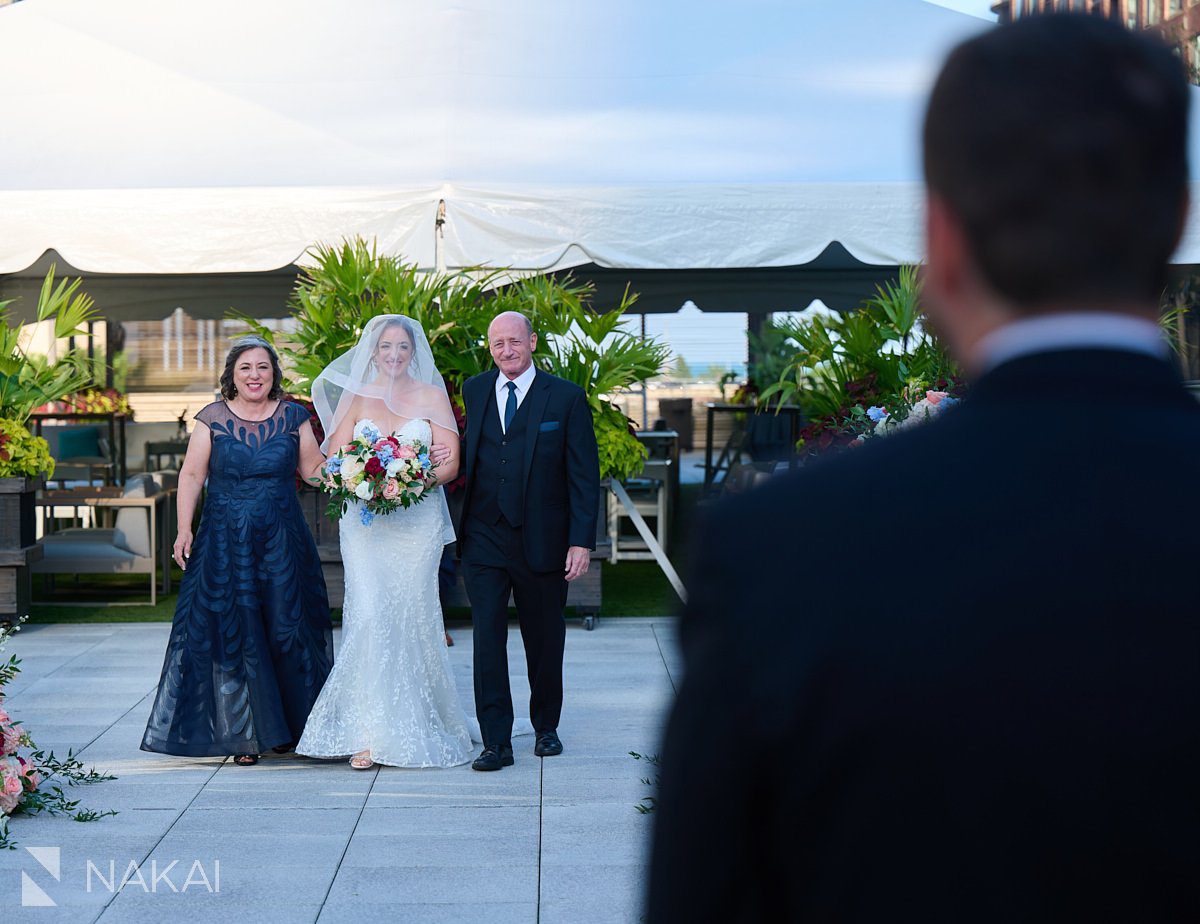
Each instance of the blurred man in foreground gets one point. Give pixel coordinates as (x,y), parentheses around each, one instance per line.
(955,675)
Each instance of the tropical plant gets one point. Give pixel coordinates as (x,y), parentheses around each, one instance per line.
(351,283)
(882,347)
(29,380)
(22,454)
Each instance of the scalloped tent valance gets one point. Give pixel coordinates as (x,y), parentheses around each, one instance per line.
(665,137)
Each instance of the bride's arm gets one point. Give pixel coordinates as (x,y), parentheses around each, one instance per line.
(447,469)
(344,431)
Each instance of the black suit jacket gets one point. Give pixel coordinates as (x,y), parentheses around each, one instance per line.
(953,675)
(561,469)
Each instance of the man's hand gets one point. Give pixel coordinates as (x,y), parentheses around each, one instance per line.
(578,559)
(439,453)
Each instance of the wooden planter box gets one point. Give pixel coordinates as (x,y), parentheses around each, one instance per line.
(583,595)
(18,543)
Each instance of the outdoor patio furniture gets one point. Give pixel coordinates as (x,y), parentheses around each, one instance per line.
(137,543)
(767,435)
(649,496)
(114,424)
(663,462)
(171,450)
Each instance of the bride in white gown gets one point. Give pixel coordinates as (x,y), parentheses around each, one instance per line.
(390,698)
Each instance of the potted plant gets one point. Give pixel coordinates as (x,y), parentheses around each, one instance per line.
(29,380)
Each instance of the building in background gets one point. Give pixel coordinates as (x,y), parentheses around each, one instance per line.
(1177,22)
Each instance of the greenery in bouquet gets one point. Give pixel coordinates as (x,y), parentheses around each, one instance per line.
(348,284)
(23,455)
(28,379)
(31,782)
(382,473)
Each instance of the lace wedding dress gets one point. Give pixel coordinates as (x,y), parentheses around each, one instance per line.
(391,689)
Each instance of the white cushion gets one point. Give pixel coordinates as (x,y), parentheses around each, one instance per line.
(132,529)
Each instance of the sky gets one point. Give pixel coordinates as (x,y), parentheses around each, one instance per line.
(974,7)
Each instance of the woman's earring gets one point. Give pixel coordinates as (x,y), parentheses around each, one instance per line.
(233,388)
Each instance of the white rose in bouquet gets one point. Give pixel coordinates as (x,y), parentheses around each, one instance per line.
(363,491)
(352,467)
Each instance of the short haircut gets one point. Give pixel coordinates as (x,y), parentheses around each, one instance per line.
(240,346)
(1059,142)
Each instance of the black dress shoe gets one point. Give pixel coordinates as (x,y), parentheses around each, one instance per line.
(547,744)
(494,757)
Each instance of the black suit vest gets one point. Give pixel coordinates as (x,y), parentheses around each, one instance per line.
(499,489)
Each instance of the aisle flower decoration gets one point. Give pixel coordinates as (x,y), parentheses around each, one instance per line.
(30,779)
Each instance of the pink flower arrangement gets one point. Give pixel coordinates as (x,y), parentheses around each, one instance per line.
(20,776)
(29,774)
(11,736)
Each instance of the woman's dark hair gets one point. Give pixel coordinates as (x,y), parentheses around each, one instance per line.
(228,389)
(1060,144)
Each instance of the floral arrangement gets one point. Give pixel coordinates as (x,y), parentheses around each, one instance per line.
(21,453)
(383,473)
(874,415)
(22,775)
(95,401)
(928,407)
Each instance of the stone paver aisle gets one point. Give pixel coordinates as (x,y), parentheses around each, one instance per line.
(299,840)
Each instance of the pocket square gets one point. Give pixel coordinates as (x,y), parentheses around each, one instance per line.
(547,425)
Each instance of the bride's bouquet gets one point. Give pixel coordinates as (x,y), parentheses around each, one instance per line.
(382,473)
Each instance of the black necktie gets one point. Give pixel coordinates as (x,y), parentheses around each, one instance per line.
(510,408)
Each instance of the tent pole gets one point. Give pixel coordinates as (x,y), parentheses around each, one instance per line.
(645,385)
(439,253)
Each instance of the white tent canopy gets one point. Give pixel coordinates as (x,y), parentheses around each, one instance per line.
(150,137)
(145,137)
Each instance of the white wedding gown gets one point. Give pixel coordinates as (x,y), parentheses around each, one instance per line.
(391,689)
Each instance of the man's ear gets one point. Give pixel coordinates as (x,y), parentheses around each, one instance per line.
(533,343)
(945,250)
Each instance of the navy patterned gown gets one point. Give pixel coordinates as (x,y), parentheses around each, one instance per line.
(252,641)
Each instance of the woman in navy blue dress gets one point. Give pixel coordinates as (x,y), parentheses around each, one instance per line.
(252,641)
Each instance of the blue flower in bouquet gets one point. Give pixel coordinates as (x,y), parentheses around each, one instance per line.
(368,431)
(333,465)
(366,516)
(423,458)
(876,413)
(386,454)
(949,401)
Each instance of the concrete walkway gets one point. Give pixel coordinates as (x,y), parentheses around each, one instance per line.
(299,840)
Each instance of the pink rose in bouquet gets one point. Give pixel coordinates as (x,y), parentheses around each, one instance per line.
(11,786)
(406,452)
(935,397)
(391,489)
(10,738)
(29,775)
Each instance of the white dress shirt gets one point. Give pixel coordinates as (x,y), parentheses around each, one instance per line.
(524,382)
(1072,331)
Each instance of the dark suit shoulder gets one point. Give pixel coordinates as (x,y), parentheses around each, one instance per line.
(560,385)
(476,381)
